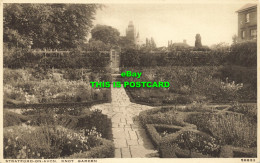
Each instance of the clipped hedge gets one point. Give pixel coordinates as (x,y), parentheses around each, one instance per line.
(182,57)
(158,100)
(155,136)
(243,54)
(106,150)
(75,59)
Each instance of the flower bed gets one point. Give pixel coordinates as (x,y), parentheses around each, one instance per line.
(42,134)
(154,116)
(33,86)
(231,128)
(73,118)
(191,143)
(44,142)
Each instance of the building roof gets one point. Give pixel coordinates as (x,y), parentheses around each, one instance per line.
(180,44)
(247,6)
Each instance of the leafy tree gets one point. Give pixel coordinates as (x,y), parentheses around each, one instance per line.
(15,39)
(125,43)
(55,26)
(97,45)
(106,34)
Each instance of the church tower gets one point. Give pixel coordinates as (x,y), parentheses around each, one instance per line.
(130,32)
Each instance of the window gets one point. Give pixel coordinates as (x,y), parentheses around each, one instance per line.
(243,34)
(253,33)
(247,17)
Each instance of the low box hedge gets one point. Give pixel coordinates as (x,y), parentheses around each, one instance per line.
(106,150)
(155,135)
(158,100)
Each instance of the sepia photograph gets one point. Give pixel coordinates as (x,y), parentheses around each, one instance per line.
(159,79)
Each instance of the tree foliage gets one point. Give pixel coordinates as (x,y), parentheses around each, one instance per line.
(198,43)
(106,34)
(243,54)
(55,26)
(126,43)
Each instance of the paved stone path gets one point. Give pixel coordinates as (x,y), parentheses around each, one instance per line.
(129,137)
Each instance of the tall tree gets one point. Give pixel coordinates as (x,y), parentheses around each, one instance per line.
(198,41)
(153,45)
(106,34)
(49,25)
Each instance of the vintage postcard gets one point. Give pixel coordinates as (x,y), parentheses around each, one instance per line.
(129,81)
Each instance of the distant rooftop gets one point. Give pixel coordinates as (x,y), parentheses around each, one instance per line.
(247,6)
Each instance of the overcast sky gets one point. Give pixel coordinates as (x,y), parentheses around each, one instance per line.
(215,22)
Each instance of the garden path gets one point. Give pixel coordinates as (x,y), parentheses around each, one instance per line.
(129,137)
